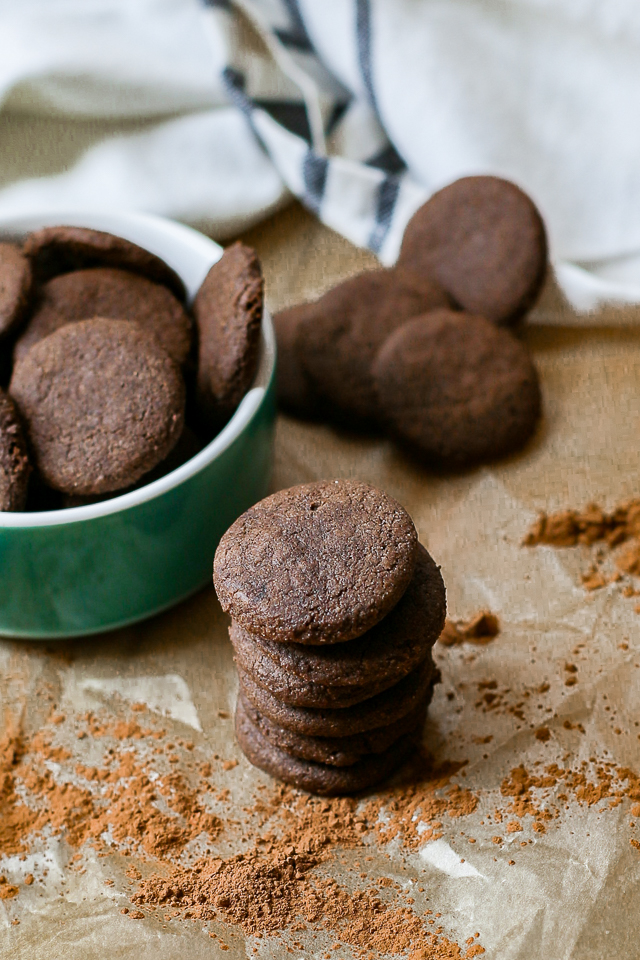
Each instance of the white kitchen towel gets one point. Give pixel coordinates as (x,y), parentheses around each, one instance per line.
(214,111)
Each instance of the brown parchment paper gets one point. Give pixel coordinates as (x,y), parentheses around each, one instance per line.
(572,892)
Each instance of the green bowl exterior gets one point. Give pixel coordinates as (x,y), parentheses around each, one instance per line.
(97,574)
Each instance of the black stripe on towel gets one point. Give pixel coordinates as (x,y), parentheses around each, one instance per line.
(336,115)
(386,202)
(314,172)
(218,4)
(388,159)
(296,36)
(289,114)
(364,42)
(235,83)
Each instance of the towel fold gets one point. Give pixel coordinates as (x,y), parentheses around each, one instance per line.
(214,112)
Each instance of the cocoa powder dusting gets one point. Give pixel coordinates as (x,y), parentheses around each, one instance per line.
(590,784)
(275,888)
(125,804)
(268,895)
(566,528)
(272,888)
(481,628)
(151,796)
(7,890)
(426,796)
(619,528)
(16,820)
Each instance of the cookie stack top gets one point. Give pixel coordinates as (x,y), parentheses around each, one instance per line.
(318,563)
(335,607)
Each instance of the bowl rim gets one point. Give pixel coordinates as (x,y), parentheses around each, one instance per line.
(206,248)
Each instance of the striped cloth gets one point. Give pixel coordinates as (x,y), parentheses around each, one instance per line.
(326,141)
(216,111)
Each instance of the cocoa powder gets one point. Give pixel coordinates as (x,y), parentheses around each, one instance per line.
(268,895)
(529,792)
(594,525)
(566,528)
(273,888)
(481,628)
(423,799)
(7,890)
(282,884)
(124,803)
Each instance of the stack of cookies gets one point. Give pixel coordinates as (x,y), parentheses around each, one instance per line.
(335,607)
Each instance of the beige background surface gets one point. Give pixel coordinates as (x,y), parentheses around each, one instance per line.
(573,892)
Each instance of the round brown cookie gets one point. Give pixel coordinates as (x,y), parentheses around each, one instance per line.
(318,778)
(16,282)
(457,389)
(318,563)
(379,711)
(293,387)
(289,687)
(14,461)
(337,342)
(116,295)
(102,402)
(390,650)
(337,751)
(228,314)
(61,249)
(484,240)
(187,447)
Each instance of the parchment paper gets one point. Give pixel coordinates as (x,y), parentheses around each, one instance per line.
(574,891)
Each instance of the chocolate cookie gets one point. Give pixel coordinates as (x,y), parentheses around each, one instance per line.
(228,313)
(294,390)
(390,650)
(16,282)
(457,389)
(187,447)
(337,751)
(291,688)
(318,563)
(113,294)
(55,250)
(338,341)
(14,462)
(483,239)
(318,778)
(102,402)
(385,708)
